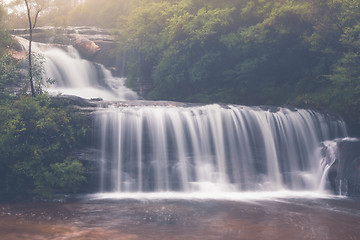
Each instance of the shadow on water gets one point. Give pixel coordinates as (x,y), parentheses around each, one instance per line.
(294,218)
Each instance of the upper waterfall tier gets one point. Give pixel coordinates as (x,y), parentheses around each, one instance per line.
(211,148)
(75,76)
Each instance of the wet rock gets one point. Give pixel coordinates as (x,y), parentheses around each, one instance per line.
(349,165)
(343,157)
(96,99)
(107,55)
(77,101)
(87,48)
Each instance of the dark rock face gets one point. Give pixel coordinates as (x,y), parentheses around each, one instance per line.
(349,167)
(344,161)
(107,55)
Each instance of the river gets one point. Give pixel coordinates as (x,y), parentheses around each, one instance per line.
(116,219)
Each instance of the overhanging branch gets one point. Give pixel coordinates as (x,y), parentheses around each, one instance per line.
(36,17)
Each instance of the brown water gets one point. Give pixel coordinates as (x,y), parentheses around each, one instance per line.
(294,219)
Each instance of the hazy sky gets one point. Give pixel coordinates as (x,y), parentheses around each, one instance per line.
(7,1)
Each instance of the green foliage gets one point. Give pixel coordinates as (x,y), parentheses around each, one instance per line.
(5,38)
(171,42)
(8,65)
(8,73)
(67,175)
(304,53)
(37,137)
(38,71)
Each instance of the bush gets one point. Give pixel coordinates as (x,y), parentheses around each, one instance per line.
(37,138)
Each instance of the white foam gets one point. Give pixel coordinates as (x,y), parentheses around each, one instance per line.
(230,196)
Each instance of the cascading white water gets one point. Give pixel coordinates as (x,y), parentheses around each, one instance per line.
(211,148)
(76,76)
(328,160)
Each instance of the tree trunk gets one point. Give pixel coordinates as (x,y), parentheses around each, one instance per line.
(33,93)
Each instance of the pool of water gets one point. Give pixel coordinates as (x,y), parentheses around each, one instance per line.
(117,218)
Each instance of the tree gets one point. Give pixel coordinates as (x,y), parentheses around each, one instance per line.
(5,38)
(32,26)
(8,65)
(38,136)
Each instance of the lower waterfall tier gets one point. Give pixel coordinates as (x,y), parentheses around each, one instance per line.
(211,148)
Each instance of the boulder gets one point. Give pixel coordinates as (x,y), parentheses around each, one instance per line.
(349,165)
(87,48)
(343,157)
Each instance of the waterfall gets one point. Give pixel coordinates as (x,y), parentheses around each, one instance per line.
(76,76)
(211,148)
(173,147)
